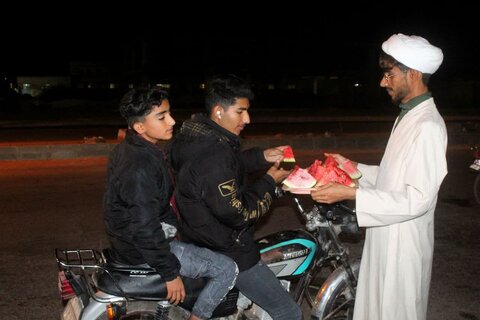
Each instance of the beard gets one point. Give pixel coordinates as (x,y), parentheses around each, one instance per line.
(396,101)
(399,95)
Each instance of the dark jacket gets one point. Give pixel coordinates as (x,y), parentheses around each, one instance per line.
(217,206)
(138,218)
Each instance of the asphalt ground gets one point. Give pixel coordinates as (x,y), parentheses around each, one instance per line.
(52,197)
(58,203)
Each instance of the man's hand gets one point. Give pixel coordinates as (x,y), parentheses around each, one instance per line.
(339,158)
(175,290)
(333,192)
(274,154)
(277,173)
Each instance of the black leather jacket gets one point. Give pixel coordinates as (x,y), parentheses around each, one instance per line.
(217,205)
(138,218)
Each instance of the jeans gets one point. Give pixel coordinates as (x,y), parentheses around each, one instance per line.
(199,262)
(260,285)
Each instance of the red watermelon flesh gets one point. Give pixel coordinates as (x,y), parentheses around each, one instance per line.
(349,168)
(335,174)
(330,162)
(329,172)
(288,154)
(317,170)
(299,178)
(313,167)
(288,159)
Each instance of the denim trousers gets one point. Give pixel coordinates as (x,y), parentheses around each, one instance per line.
(260,285)
(199,262)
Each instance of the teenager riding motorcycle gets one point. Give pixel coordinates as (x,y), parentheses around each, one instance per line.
(139,219)
(217,205)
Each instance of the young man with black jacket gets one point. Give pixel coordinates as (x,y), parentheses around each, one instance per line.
(139,219)
(217,205)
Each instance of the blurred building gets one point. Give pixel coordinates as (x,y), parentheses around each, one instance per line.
(35,85)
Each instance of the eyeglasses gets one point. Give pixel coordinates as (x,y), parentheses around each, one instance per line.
(386,76)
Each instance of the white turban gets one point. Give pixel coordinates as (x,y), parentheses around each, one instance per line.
(415,52)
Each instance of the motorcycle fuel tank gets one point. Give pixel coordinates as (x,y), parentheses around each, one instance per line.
(288,253)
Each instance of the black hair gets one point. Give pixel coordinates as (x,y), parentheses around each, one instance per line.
(387,62)
(224,90)
(138,103)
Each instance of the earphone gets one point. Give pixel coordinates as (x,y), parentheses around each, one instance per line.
(219,115)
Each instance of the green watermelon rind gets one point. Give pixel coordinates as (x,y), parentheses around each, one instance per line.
(288,155)
(296,187)
(355,174)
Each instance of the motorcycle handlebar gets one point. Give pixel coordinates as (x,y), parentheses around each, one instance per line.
(341,214)
(338,213)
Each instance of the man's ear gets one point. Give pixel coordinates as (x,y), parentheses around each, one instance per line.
(139,127)
(217,112)
(415,74)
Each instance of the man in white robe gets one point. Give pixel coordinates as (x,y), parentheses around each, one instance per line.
(396,200)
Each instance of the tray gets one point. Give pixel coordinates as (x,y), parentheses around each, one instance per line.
(297,190)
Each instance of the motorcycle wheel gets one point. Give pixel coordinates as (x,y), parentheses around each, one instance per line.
(341,306)
(341,297)
(147,310)
(476,188)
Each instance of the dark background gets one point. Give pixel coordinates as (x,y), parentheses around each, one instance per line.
(339,37)
(160,42)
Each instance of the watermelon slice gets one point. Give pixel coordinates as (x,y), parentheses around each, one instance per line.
(329,172)
(314,166)
(299,179)
(349,168)
(330,162)
(288,162)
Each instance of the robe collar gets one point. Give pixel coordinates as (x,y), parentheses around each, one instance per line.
(412,103)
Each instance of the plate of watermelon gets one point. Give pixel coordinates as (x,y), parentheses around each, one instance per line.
(303,181)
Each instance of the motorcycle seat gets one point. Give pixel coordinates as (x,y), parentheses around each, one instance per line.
(130,281)
(143,282)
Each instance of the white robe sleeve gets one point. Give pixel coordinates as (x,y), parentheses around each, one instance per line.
(414,193)
(369,175)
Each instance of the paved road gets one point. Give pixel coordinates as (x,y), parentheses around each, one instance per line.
(35,133)
(48,204)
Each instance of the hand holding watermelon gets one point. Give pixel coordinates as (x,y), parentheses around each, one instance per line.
(278,174)
(274,154)
(333,192)
(346,165)
(337,157)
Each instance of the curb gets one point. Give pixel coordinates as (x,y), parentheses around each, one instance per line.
(301,142)
(55,151)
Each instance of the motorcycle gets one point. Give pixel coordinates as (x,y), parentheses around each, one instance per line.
(475,166)
(95,286)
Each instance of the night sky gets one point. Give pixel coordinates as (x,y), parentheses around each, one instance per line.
(300,40)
